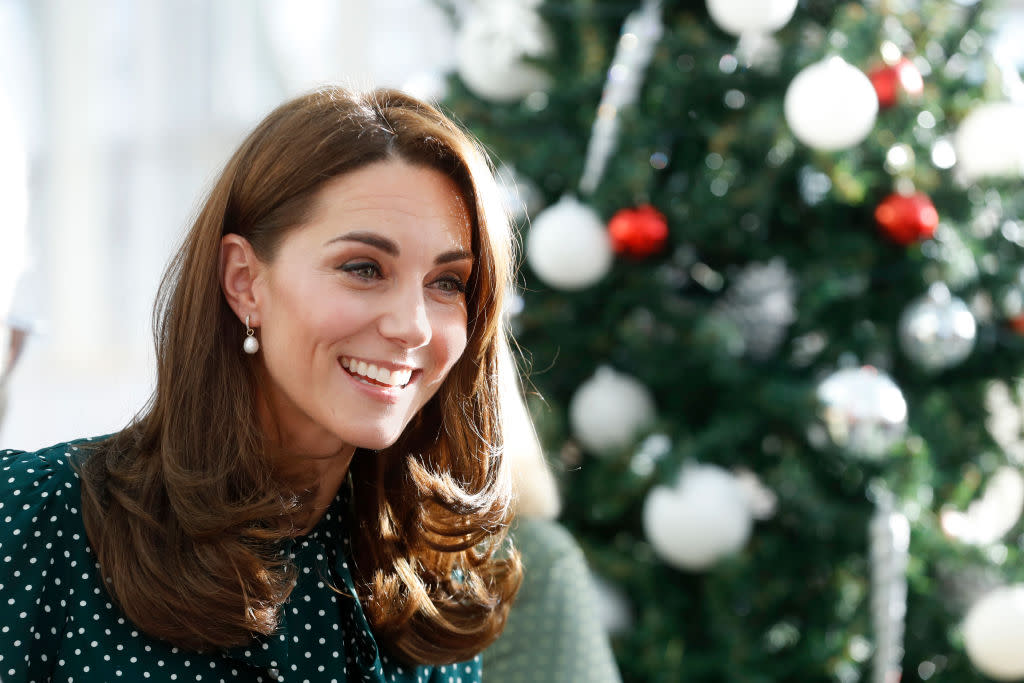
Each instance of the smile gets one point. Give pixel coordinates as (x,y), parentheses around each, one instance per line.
(375,375)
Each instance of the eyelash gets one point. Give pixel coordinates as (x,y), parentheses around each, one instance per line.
(359,270)
(457,284)
(355,268)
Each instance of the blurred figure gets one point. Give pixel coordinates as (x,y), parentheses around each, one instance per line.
(554,633)
(13,216)
(12,341)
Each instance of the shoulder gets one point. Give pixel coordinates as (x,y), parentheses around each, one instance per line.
(41,540)
(31,482)
(544,543)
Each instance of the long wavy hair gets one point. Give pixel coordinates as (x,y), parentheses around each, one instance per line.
(182,506)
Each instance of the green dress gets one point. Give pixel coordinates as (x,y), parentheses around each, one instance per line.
(553,633)
(57,622)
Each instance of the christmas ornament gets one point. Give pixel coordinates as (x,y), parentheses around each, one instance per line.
(567,245)
(760,303)
(937,330)
(994,631)
(991,516)
(609,410)
(751,17)
(1013,304)
(761,500)
(493,45)
(640,33)
(700,520)
(890,80)
(906,219)
(889,533)
(831,105)
(863,410)
(990,142)
(1005,419)
(638,232)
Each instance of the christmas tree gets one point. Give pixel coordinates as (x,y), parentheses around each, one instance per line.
(772,307)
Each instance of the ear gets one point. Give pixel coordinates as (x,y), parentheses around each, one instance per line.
(239,269)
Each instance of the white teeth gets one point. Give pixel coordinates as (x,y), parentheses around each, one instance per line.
(398,378)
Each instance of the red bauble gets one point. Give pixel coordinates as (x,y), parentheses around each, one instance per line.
(906,219)
(890,80)
(1017,323)
(638,232)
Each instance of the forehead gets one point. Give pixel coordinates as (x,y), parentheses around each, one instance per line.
(392,194)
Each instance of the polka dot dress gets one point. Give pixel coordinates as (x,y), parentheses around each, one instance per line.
(57,622)
(553,633)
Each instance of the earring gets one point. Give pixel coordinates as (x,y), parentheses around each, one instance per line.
(251,344)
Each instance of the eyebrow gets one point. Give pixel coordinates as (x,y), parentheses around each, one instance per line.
(389,247)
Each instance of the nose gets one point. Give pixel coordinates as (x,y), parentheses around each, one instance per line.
(405,320)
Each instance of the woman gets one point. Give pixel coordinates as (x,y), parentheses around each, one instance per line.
(316,489)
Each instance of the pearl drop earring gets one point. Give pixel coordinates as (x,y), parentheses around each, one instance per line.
(251,344)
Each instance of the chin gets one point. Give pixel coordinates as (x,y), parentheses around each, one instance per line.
(375,441)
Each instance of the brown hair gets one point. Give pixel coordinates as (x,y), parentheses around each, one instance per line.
(185,518)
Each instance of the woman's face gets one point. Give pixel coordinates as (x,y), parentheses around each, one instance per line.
(362,311)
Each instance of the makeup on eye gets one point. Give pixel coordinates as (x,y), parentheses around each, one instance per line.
(453,284)
(368,270)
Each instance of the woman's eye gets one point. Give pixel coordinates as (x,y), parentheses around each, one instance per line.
(362,269)
(451,284)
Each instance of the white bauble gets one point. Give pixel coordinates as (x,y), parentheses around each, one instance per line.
(751,17)
(609,410)
(568,246)
(993,514)
(990,141)
(863,409)
(994,633)
(937,330)
(491,46)
(699,521)
(831,105)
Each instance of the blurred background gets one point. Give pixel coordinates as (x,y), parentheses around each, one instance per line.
(772,299)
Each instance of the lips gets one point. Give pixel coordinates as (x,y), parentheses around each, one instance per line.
(377,375)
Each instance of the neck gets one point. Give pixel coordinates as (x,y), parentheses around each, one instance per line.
(311,462)
(319,475)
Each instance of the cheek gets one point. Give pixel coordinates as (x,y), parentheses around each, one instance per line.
(453,340)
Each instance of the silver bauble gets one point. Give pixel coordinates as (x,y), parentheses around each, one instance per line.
(938,330)
(863,410)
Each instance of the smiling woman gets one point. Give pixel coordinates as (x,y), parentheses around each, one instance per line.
(373,283)
(316,490)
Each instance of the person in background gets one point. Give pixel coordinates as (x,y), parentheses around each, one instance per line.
(554,632)
(14,325)
(316,490)
(13,334)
